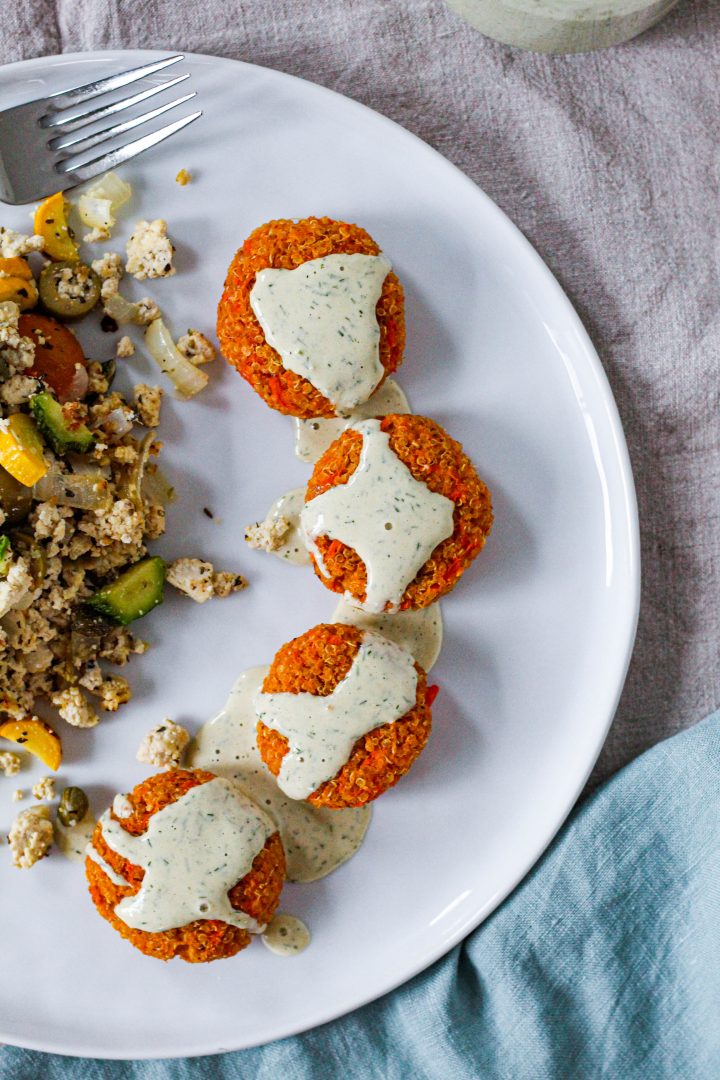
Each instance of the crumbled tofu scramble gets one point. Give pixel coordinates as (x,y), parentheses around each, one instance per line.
(44,789)
(150,251)
(14,245)
(30,836)
(268,535)
(164,745)
(74,283)
(124,348)
(110,270)
(195,347)
(200,581)
(91,526)
(9,763)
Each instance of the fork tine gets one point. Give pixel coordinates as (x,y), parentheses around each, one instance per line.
(113,158)
(113,82)
(81,143)
(71,121)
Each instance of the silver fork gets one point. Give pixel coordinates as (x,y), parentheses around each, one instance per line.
(39,154)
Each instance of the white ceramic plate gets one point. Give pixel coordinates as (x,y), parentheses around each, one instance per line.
(538,633)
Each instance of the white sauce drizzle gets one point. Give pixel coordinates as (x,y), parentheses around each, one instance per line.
(286,935)
(193,852)
(288,506)
(320,317)
(316,841)
(393,521)
(312,437)
(72,840)
(420,632)
(96,857)
(379,688)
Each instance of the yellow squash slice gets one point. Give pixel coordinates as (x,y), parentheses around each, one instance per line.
(35,736)
(51,224)
(21,449)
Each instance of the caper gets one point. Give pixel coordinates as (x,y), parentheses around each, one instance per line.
(73,806)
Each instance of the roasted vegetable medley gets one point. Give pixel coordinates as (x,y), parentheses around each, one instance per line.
(81,496)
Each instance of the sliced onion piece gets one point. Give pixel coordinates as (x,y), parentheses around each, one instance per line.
(118,422)
(78,387)
(97,213)
(156,488)
(133,489)
(120,309)
(188,379)
(83,491)
(111,187)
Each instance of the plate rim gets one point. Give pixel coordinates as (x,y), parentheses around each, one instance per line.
(629,513)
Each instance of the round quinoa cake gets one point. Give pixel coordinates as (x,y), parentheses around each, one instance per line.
(315,663)
(434,458)
(285,245)
(257,893)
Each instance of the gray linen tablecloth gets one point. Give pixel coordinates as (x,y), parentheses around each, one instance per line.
(610,164)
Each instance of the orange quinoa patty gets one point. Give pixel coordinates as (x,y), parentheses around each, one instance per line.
(257,894)
(433,457)
(315,663)
(284,245)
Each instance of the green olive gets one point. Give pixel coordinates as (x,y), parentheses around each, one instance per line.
(57,279)
(15,498)
(73,806)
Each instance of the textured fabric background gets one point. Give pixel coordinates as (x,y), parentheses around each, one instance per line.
(609,163)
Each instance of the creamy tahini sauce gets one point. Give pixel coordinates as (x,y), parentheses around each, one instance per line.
(320,317)
(316,841)
(193,852)
(393,521)
(379,688)
(72,840)
(117,879)
(288,506)
(286,935)
(420,632)
(312,437)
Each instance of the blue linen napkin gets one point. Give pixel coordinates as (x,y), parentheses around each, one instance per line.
(604,962)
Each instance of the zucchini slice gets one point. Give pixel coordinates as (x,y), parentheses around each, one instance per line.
(131,595)
(51,422)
